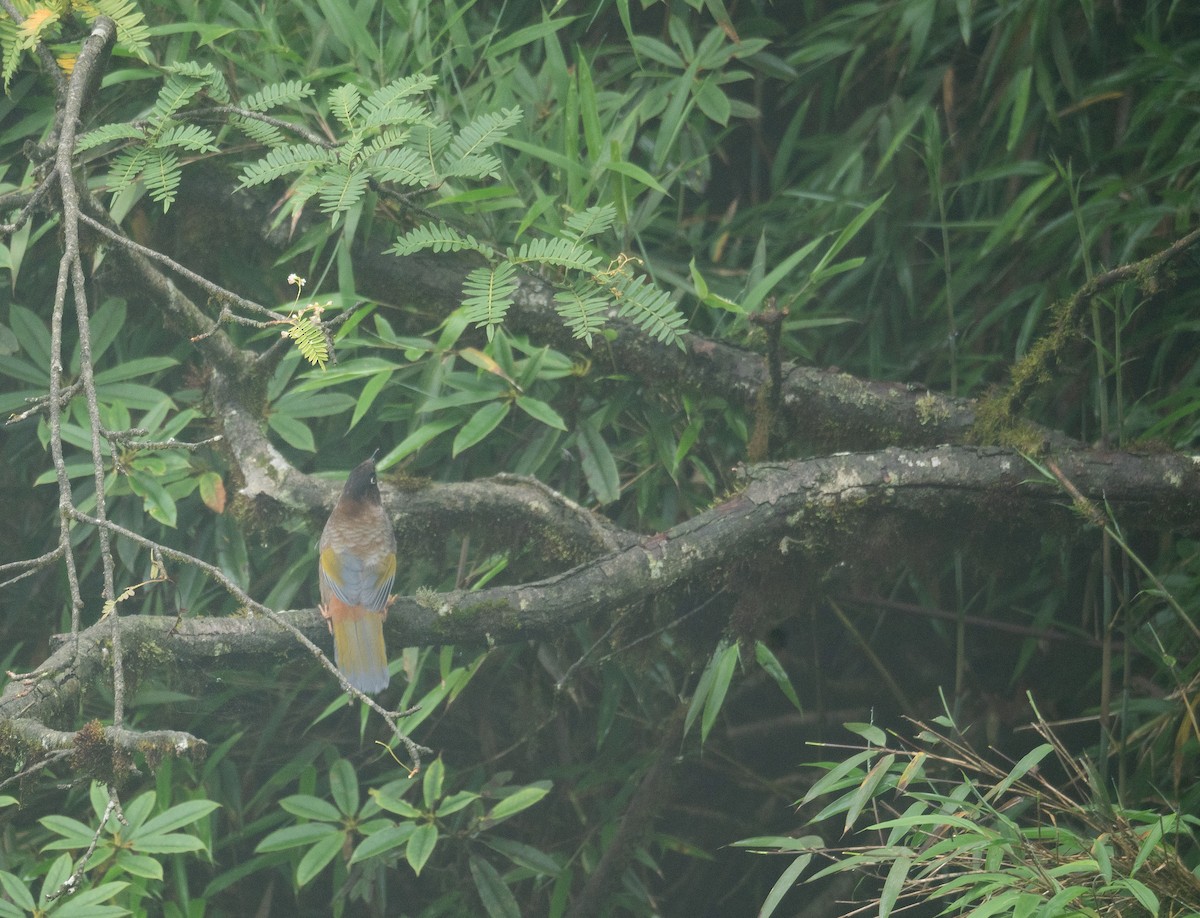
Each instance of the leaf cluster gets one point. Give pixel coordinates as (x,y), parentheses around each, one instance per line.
(118,857)
(44,22)
(149,150)
(390,136)
(587,291)
(969,835)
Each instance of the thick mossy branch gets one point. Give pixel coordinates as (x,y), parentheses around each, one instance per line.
(999,414)
(517,509)
(815,512)
(819,410)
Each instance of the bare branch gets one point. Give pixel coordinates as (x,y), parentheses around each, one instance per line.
(214,290)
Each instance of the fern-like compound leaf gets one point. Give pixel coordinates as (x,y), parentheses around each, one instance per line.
(488,292)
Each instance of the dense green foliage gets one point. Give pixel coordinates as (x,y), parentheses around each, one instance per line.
(919,185)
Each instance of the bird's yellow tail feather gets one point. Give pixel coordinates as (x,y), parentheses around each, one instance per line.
(360,651)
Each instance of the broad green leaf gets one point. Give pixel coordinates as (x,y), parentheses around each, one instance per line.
(537,32)
(106,324)
(347,371)
(1151,841)
(431,784)
(34,336)
(294,432)
(703,689)
(383,841)
(758,292)
(140,866)
(1143,893)
(497,899)
(533,859)
(296,404)
(1018,771)
(395,805)
(296,836)
(1016,124)
(656,51)
(420,846)
(158,503)
(1102,852)
(58,872)
(131,369)
(16,890)
(307,806)
(486,389)
(367,397)
(1008,228)
(343,785)
(849,231)
(415,440)
(839,775)
(318,857)
(932,821)
(456,802)
(521,800)
(780,842)
(169,843)
(352,34)
(712,101)
(86,903)
(637,173)
(72,830)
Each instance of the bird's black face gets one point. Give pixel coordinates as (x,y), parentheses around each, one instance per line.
(362,485)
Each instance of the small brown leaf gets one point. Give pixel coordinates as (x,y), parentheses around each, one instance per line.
(212,492)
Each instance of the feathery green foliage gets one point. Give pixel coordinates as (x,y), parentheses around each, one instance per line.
(43,22)
(149,150)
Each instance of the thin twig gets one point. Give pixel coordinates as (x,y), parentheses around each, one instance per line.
(129,438)
(28,208)
(33,564)
(41,764)
(91,56)
(41,401)
(71,883)
(199,114)
(215,290)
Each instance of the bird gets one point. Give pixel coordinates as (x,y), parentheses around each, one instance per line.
(357,564)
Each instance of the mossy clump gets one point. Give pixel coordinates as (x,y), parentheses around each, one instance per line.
(995,425)
(93,756)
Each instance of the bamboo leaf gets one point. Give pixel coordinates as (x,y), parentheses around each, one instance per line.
(482,423)
(860,798)
(599,466)
(726,662)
